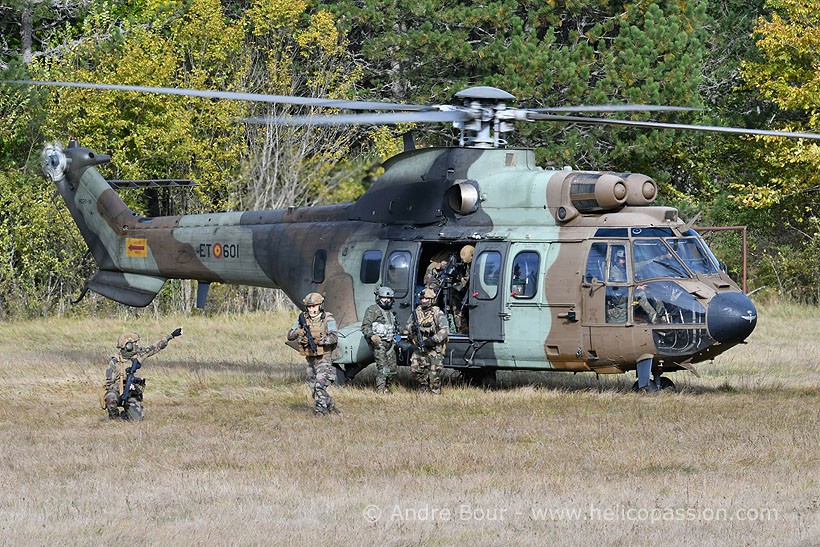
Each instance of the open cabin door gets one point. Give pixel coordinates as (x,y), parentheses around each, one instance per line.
(487,295)
(400,267)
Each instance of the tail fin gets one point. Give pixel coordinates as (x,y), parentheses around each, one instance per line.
(103,219)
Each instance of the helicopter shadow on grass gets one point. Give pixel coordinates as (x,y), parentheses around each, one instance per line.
(581,382)
(509,380)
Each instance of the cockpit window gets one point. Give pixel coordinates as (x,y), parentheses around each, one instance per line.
(596,262)
(617,264)
(660,302)
(690,251)
(654,259)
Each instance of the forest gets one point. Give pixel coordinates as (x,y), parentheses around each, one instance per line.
(745,63)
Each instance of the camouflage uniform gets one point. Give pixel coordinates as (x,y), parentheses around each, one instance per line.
(432,276)
(319,370)
(426,363)
(115,375)
(381,324)
(654,314)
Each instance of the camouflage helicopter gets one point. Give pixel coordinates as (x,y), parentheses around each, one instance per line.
(570,270)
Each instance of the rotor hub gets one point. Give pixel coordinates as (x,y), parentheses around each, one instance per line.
(54,161)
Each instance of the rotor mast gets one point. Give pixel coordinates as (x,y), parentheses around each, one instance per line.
(489,118)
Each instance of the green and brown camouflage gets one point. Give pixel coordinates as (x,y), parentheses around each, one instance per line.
(538,289)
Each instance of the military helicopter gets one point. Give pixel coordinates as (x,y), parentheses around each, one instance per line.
(571,270)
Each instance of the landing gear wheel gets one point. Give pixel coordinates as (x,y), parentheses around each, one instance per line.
(666,385)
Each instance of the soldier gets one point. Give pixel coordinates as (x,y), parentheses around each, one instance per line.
(644,310)
(316,337)
(129,356)
(433,274)
(380,327)
(460,285)
(428,329)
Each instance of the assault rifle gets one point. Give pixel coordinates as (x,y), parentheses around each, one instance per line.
(306,327)
(132,382)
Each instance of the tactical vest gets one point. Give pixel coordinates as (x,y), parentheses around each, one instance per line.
(318,329)
(386,329)
(427,321)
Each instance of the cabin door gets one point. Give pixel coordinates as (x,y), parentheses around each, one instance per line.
(487,295)
(606,302)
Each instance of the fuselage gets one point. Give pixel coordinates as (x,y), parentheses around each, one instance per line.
(543,288)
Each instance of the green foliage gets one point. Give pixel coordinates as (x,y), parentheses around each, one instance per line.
(551,54)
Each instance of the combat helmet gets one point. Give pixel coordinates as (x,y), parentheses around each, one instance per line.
(127,341)
(313,299)
(466,253)
(385,292)
(429,294)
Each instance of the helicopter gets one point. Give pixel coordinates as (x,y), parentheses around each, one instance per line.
(569,270)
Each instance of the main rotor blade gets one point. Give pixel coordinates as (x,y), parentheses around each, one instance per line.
(233,96)
(618,108)
(660,125)
(387,118)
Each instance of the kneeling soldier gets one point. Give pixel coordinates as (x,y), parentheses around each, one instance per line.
(122,387)
(315,334)
(379,327)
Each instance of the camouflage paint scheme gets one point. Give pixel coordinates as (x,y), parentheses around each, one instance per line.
(428,200)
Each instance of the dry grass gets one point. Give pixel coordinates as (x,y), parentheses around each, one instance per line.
(230,453)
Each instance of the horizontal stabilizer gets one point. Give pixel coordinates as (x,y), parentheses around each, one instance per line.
(130,289)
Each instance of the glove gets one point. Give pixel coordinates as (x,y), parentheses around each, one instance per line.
(376,339)
(300,332)
(177,332)
(428,342)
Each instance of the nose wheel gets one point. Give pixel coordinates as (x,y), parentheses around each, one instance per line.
(665,385)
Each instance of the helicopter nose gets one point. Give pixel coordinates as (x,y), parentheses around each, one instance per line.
(731,317)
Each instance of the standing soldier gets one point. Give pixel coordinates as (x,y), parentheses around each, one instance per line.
(379,327)
(428,329)
(315,335)
(119,377)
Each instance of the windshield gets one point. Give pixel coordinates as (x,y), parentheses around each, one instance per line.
(690,251)
(654,259)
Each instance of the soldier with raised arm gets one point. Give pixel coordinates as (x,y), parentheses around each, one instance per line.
(122,387)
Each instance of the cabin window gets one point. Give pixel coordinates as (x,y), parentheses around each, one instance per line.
(617,264)
(371,266)
(398,272)
(489,271)
(319,263)
(524,282)
(596,262)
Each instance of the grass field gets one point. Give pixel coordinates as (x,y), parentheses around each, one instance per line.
(230,453)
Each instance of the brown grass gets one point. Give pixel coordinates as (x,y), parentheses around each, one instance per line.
(230,453)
